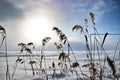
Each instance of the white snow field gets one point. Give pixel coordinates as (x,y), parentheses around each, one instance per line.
(23,71)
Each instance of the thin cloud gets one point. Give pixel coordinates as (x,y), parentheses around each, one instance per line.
(100,7)
(84,6)
(9,11)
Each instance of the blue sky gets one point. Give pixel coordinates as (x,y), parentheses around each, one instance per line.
(32,20)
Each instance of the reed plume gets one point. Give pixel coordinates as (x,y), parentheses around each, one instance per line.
(78,27)
(111,65)
(92,17)
(3,32)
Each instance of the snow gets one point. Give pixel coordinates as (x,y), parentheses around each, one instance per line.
(24,71)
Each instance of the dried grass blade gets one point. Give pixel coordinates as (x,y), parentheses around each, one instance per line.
(100,74)
(87,46)
(112,66)
(53,64)
(2,41)
(104,38)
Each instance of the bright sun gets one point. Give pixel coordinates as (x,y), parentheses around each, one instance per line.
(37,28)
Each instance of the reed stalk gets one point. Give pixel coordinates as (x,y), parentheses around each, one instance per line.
(63,38)
(4,40)
(44,42)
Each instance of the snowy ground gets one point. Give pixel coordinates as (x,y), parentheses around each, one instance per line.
(24,71)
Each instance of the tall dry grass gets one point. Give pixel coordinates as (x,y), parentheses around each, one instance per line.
(4,40)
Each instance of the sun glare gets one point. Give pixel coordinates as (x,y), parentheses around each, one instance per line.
(37,28)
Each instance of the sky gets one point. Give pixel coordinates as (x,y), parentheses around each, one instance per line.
(32,20)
